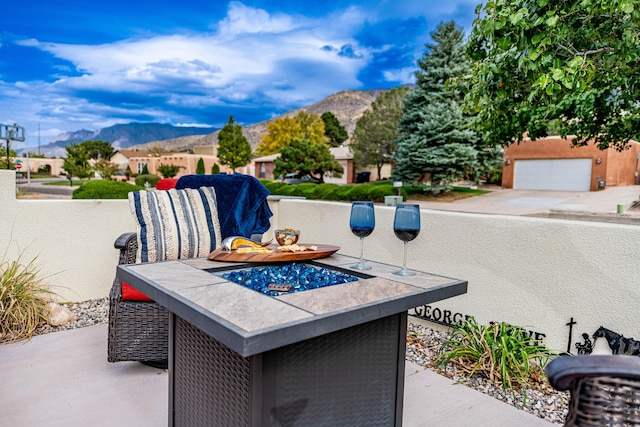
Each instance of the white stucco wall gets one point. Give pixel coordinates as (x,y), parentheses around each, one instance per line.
(72,239)
(532,272)
(537,273)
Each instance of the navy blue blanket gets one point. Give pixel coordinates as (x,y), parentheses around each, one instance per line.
(242,202)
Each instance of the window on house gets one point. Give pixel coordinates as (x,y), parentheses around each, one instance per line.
(263,170)
(141,166)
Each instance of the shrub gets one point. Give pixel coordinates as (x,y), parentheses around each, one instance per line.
(503,353)
(98,189)
(144,178)
(23,299)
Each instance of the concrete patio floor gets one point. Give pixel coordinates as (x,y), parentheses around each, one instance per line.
(64,379)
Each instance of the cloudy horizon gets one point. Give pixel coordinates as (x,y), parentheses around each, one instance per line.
(64,68)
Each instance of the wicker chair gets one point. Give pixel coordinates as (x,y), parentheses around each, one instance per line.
(138,330)
(604,389)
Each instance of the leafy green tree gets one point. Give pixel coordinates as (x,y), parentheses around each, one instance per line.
(105,168)
(215,169)
(97,149)
(333,130)
(570,62)
(145,169)
(168,171)
(306,157)
(435,141)
(6,162)
(77,161)
(233,148)
(200,167)
(374,139)
(284,130)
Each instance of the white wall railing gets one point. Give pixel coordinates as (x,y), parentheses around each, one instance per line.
(544,274)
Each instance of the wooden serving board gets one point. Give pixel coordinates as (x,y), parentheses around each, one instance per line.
(323,251)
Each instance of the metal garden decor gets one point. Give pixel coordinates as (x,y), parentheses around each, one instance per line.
(11,133)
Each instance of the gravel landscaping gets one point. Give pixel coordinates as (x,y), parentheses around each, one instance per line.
(422,345)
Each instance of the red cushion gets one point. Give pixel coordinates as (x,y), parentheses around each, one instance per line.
(129,293)
(166,183)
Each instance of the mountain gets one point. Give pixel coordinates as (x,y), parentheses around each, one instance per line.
(122,136)
(348,106)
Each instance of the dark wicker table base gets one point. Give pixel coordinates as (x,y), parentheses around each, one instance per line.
(351,377)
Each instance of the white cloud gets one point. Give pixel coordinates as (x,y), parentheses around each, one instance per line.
(242,19)
(250,58)
(264,49)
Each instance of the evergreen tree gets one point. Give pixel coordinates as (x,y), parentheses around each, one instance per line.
(215,169)
(436,141)
(333,130)
(307,158)
(233,148)
(200,167)
(374,139)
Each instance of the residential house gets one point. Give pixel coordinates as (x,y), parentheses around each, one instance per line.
(552,164)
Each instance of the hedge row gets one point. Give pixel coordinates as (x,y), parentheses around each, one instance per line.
(349,192)
(100,189)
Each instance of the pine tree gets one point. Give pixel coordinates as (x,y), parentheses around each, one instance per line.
(436,142)
(233,148)
(333,130)
(200,167)
(376,133)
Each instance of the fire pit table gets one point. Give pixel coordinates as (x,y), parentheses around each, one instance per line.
(331,356)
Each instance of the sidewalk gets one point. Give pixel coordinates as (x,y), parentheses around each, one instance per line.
(64,379)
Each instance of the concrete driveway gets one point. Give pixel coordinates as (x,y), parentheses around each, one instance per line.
(548,203)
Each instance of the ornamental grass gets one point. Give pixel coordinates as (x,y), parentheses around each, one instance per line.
(505,354)
(23,299)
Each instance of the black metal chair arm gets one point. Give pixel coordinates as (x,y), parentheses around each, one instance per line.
(563,371)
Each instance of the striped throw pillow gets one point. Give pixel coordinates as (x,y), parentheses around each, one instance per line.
(175,224)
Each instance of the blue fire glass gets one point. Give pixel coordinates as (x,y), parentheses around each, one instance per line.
(301,277)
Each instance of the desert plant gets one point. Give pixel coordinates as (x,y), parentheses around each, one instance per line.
(503,353)
(23,299)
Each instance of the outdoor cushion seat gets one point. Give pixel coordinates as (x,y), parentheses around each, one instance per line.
(138,326)
(604,389)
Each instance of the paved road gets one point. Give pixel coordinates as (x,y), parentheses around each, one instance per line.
(52,191)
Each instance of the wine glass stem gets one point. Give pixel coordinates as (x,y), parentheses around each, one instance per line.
(361,249)
(404,260)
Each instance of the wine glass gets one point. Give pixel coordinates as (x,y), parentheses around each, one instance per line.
(406,226)
(362,223)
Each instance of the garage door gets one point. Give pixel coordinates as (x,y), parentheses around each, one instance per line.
(553,174)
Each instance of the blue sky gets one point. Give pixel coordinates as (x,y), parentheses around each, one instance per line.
(67,65)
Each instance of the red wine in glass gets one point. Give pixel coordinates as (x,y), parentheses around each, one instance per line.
(362,222)
(406,226)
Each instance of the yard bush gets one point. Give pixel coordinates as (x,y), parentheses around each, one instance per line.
(141,180)
(347,192)
(505,354)
(23,299)
(100,189)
